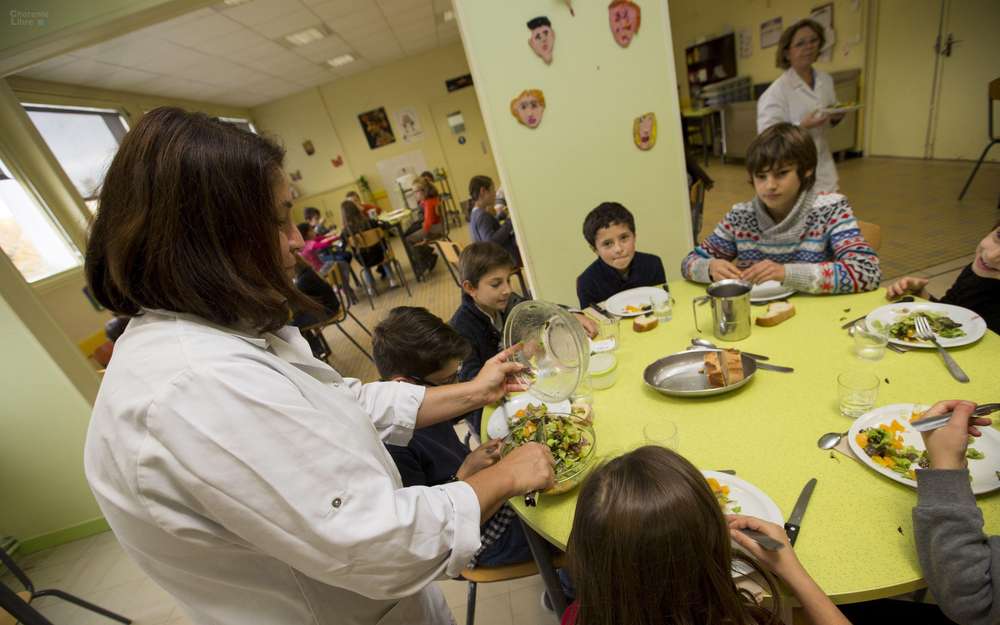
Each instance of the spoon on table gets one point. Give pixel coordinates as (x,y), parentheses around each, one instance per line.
(830,440)
(711,345)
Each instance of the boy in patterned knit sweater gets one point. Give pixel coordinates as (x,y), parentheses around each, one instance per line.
(806,241)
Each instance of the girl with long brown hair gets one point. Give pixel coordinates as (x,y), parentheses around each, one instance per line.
(355,222)
(650,546)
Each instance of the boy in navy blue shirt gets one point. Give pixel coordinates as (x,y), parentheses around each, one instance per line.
(610,232)
(412,345)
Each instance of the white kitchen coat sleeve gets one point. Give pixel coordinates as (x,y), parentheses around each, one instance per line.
(308,484)
(772,108)
(392,406)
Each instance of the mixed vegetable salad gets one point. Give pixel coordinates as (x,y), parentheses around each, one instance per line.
(721,492)
(885,446)
(942,325)
(567,442)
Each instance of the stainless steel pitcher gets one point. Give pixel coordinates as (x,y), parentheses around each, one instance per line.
(730,309)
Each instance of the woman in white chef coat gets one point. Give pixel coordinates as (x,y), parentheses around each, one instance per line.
(799,95)
(247,478)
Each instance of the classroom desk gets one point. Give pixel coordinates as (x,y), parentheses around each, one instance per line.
(857,536)
(706,119)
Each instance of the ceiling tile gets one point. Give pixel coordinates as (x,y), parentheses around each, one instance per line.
(126,79)
(195,31)
(221,72)
(287,24)
(323,50)
(261,11)
(238,41)
(331,9)
(372,28)
(416,13)
(39,70)
(357,19)
(353,68)
(267,49)
(396,6)
(276,64)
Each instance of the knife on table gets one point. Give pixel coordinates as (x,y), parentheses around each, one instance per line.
(769,367)
(799,511)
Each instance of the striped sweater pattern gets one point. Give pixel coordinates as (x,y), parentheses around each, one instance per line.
(819,243)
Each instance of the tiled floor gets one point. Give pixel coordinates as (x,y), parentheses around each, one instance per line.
(925,231)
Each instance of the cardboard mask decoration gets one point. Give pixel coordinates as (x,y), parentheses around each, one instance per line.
(644,131)
(624,17)
(528,107)
(543,38)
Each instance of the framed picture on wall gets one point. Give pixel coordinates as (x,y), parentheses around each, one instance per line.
(375,124)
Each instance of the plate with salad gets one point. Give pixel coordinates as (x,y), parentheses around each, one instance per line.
(570,439)
(634,302)
(953,326)
(738,496)
(884,440)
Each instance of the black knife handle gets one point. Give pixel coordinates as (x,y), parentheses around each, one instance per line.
(529,500)
(792,531)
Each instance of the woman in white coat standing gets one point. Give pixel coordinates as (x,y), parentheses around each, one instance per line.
(245,477)
(799,95)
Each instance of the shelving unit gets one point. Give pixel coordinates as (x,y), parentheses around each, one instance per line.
(710,62)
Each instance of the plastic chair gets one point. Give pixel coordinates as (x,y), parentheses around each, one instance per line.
(29,594)
(490,574)
(993,94)
(872,233)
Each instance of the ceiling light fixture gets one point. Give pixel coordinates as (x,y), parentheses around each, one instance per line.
(340,61)
(303,37)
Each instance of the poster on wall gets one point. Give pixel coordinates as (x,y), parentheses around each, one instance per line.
(823,15)
(745,42)
(375,123)
(770,32)
(409,125)
(409,164)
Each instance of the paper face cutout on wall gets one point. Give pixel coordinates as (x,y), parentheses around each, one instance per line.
(624,17)
(644,131)
(543,38)
(528,107)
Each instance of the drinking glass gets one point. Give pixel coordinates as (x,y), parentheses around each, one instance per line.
(661,307)
(608,335)
(869,343)
(857,391)
(662,433)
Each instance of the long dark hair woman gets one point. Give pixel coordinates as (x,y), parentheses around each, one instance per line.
(650,545)
(245,477)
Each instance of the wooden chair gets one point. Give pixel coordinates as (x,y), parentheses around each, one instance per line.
(371,238)
(519,274)
(490,574)
(697,193)
(315,330)
(993,95)
(29,594)
(451,251)
(872,233)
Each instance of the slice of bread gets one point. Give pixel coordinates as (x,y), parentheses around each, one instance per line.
(776,313)
(731,359)
(645,323)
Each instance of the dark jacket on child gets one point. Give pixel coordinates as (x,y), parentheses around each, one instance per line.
(600,280)
(484,337)
(978,294)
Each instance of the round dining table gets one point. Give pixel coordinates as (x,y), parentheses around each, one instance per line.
(856,538)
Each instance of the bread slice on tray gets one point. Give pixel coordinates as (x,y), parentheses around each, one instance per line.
(728,358)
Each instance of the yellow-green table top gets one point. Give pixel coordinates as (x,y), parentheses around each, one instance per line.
(767,430)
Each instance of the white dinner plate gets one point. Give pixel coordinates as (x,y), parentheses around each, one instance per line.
(984,472)
(637,297)
(498,425)
(837,110)
(972,324)
(769,291)
(751,501)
